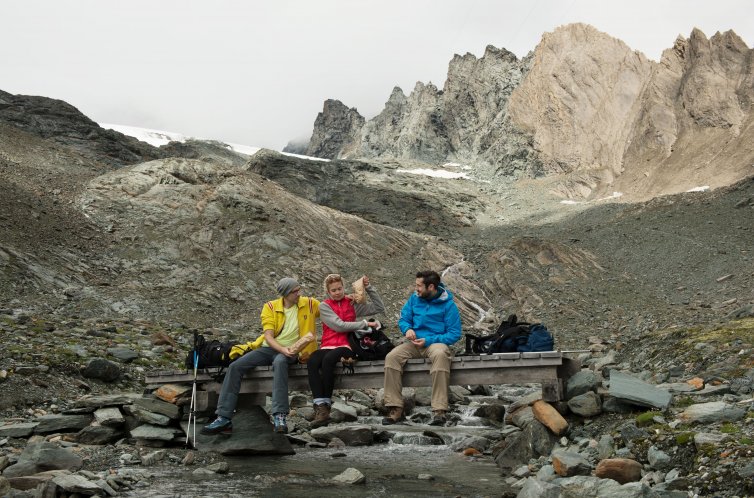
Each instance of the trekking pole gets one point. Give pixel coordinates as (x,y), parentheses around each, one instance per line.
(192,407)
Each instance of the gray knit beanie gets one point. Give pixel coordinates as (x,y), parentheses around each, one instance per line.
(286,285)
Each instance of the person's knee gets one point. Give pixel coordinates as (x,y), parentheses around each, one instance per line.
(439,352)
(393,362)
(280,362)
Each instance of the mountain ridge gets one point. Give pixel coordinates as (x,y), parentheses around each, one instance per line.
(583,106)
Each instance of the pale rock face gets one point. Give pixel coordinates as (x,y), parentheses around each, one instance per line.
(583,109)
(579,99)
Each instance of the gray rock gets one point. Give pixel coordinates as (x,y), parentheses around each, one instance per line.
(126,355)
(715,411)
(586,405)
(547,473)
(677,387)
(476,442)
(417,439)
(605,447)
(352,435)
(658,459)
(707,438)
(62,423)
(110,416)
(581,382)
(145,416)
(747,472)
(4,486)
(534,488)
(99,434)
(600,363)
(587,486)
(533,441)
(102,369)
(611,404)
(152,458)
(100,401)
(568,463)
(74,483)
(629,432)
(633,390)
(350,476)
(252,435)
(41,456)
(494,412)
(155,405)
(341,412)
(106,487)
(25,429)
(219,467)
(709,391)
(150,433)
(521,417)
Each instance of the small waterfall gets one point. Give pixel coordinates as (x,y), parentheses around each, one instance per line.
(482,311)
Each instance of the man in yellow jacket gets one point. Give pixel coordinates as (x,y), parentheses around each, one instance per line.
(284,321)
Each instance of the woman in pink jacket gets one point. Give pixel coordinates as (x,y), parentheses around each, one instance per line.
(338,314)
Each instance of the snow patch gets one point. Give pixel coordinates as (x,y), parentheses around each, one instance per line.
(699,189)
(159,137)
(435,173)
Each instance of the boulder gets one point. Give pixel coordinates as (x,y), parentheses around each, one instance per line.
(568,463)
(715,411)
(350,476)
(252,435)
(622,470)
(586,405)
(549,417)
(632,390)
(41,456)
(62,423)
(351,435)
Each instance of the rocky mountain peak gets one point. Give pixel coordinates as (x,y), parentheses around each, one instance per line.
(336,128)
(583,108)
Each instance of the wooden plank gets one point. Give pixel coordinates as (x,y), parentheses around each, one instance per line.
(503,361)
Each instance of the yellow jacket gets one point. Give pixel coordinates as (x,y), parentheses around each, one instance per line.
(273,317)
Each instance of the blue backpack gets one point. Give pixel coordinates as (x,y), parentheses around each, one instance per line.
(540,339)
(511,336)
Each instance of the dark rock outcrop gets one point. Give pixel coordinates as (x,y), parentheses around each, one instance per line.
(336,131)
(63,123)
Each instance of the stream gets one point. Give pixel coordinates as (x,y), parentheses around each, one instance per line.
(411,464)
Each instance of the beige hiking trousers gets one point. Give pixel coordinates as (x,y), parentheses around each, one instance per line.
(440,356)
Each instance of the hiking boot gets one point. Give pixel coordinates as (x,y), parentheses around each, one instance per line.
(439,417)
(281,425)
(395,416)
(321,415)
(220,425)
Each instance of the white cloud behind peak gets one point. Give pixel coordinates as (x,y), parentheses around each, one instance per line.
(258,72)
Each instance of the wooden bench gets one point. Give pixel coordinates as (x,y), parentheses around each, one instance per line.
(549,368)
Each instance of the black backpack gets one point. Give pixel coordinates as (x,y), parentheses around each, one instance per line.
(370,346)
(210,354)
(510,335)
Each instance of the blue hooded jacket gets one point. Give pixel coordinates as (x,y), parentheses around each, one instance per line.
(435,320)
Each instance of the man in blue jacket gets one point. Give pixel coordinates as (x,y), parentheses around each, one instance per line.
(431,322)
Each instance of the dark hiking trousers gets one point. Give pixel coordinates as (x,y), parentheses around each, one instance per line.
(321,369)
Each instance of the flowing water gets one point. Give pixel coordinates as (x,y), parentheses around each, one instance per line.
(390,470)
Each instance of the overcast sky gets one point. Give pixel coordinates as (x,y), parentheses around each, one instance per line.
(257,72)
